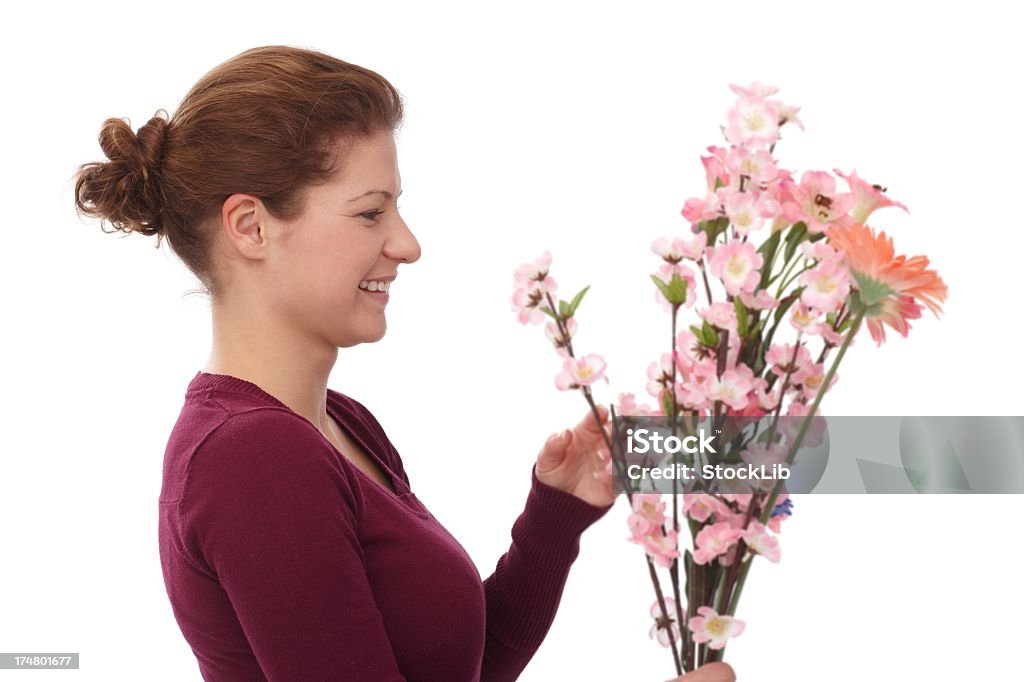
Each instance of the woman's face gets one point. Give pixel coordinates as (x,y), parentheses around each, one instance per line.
(350,232)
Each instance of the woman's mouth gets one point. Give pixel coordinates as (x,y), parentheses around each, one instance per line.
(376,289)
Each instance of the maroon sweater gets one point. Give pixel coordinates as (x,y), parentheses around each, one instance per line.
(284,561)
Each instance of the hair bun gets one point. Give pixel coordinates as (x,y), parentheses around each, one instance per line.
(125,190)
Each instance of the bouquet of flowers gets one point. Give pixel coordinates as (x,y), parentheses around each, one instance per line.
(818,273)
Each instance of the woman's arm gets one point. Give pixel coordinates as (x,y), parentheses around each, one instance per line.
(524,591)
(268,508)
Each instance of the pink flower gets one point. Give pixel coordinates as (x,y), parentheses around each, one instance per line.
(536,271)
(527,303)
(826,285)
(736,263)
(816,202)
(558,339)
(804,318)
(662,547)
(628,407)
(812,378)
(679,249)
(532,286)
(755,89)
(789,113)
(660,629)
(769,400)
(686,356)
(668,252)
(832,336)
(760,541)
(754,122)
(781,355)
(760,167)
(716,170)
(721,315)
(645,525)
(732,387)
(747,212)
(648,510)
(866,198)
(762,300)
(715,540)
(707,208)
(700,507)
(659,375)
(694,248)
(692,393)
(713,628)
(820,250)
(577,372)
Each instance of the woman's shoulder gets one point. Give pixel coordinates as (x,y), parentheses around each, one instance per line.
(219,438)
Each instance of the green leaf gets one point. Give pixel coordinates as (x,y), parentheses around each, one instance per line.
(576,301)
(741,316)
(786,303)
(770,244)
(662,287)
(758,327)
(714,228)
(687,563)
(793,239)
(675,291)
(709,335)
(767,251)
(547,311)
(666,401)
(563,308)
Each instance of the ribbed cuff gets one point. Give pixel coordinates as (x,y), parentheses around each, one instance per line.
(556,518)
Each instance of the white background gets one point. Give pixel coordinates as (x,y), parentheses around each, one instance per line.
(575,128)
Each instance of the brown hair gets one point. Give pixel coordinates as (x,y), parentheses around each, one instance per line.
(270,122)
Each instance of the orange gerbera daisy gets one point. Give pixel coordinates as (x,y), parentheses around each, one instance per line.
(888,285)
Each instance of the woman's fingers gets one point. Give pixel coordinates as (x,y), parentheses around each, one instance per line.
(711,672)
(589,430)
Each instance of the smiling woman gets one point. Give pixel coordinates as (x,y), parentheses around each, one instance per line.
(291,542)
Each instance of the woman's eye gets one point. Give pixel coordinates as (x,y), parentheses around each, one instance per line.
(372,215)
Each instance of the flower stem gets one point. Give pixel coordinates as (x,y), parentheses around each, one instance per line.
(770,506)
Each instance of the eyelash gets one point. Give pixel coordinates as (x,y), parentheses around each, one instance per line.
(372,215)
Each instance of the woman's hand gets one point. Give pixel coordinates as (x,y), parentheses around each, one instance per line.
(576,461)
(712,672)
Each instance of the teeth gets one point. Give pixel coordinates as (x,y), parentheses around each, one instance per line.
(372,285)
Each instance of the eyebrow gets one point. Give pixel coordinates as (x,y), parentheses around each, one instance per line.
(375,191)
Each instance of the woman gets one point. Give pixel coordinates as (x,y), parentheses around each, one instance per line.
(292,545)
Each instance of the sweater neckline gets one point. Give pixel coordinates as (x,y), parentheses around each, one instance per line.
(207,380)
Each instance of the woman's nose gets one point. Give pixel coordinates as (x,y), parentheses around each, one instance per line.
(404,246)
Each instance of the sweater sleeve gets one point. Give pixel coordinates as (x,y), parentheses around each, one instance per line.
(269,509)
(524,591)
